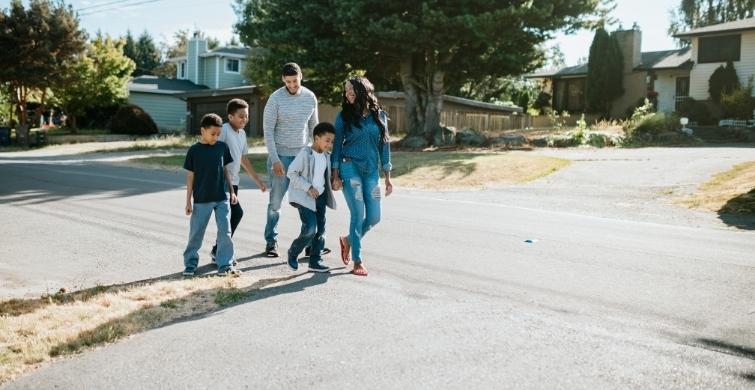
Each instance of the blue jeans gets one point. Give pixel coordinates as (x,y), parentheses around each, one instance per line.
(200,216)
(362,194)
(278,188)
(312,231)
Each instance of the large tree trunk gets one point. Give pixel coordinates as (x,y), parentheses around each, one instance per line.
(411,98)
(434,105)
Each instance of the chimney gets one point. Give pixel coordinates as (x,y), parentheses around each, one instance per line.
(194,69)
(630,42)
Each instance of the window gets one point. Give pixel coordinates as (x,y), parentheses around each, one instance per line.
(569,95)
(182,72)
(719,49)
(231,66)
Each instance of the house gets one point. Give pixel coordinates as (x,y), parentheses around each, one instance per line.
(712,46)
(204,82)
(646,74)
(666,77)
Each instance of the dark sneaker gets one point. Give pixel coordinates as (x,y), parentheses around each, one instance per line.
(214,252)
(188,272)
(318,267)
(271,250)
(293,263)
(230,271)
(308,250)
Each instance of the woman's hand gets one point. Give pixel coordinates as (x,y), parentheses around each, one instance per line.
(388,187)
(336,183)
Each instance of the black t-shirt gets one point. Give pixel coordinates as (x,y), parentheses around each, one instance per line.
(207,162)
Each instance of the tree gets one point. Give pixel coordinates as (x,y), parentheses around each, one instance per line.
(37,43)
(428,47)
(177,48)
(129,47)
(98,78)
(604,73)
(700,13)
(147,55)
(724,80)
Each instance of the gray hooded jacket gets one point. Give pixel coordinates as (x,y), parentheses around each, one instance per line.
(301,172)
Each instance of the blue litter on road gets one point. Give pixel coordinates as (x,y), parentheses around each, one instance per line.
(530,241)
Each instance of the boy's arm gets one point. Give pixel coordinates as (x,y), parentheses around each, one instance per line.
(227,174)
(253,174)
(189,190)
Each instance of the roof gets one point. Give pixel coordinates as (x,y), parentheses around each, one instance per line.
(233,51)
(458,100)
(667,59)
(650,60)
(162,85)
(737,25)
(231,91)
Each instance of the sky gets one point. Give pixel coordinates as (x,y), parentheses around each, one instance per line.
(162,18)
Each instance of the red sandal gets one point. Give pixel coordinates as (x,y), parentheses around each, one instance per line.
(345,249)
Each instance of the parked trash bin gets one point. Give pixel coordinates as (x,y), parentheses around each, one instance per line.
(4,136)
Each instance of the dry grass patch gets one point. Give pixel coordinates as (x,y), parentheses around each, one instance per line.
(732,192)
(38,330)
(460,170)
(259,162)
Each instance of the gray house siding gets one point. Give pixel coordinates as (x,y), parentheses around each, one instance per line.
(227,79)
(209,71)
(168,112)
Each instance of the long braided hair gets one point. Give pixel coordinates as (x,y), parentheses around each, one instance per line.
(365,97)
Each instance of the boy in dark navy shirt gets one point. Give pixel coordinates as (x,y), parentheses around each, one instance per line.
(208,180)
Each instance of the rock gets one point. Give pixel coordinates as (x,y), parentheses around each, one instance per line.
(414,142)
(470,137)
(509,141)
(445,136)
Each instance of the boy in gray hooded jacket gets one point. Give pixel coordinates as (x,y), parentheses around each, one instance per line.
(310,192)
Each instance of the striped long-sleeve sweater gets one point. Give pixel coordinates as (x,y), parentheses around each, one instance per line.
(288,122)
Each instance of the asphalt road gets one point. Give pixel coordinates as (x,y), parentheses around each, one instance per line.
(619,288)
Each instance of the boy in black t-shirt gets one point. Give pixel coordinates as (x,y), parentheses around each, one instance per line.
(208,180)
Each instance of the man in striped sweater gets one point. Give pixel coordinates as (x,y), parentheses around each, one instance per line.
(289,118)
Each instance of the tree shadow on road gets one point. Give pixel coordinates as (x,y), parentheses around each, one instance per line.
(32,184)
(739,211)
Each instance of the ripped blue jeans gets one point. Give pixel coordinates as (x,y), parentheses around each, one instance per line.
(362,194)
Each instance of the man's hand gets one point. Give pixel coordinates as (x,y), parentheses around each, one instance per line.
(234,198)
(313,192)
(188,208)
(278,169)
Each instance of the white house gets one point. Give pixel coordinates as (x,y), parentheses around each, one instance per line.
(666,77)
(712,46)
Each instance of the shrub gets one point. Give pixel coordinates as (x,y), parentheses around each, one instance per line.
(696,111)
(131,119)
(738,104)
(723,80)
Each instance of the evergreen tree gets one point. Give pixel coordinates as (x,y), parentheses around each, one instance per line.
(724,80)
(147,55)
(604,73)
